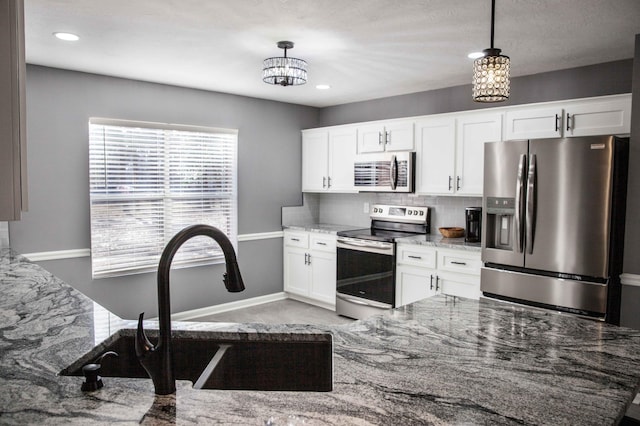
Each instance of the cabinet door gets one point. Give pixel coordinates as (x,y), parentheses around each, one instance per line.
(399,136)
(435,156)
(534,123)
(371,138)
(472,132)
(611,117)
(315,160)
(462,285)
(413,284)
(296,271)
(342,154)
(323,276)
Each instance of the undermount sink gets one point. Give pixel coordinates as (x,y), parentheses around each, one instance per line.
(233,361)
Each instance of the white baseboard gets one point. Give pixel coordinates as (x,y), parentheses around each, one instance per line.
(226,307)
(630,279)
(329,306)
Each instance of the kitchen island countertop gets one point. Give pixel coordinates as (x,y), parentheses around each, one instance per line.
(438,361)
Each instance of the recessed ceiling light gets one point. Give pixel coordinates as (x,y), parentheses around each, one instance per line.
(475,55)
(323,87)
(67,36)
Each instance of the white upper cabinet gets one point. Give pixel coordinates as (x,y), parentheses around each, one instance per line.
(435,155)
(315,160)
(611,117)
(450,152)
(327,160)
(600,116)
(472,131)
(534,123)
(387,136)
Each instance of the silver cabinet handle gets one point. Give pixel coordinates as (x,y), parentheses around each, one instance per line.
(437,282)
(309,259)
(450,181)
(519,203)
(305,259)
(324,182)
(321,243)
(388,137)
(531,204)
(415,257)
(295,239)
(457,183)
(459,263)
(379,138)
(568,122)
(558,118)
(431,283)
(328,182)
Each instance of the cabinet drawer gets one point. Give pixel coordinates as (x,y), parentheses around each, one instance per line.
(323,243)
(416,255)
(459,261)
(296,239)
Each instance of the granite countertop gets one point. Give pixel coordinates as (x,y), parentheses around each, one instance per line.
(439,361)
(325,228)
(437,240)
(432,240)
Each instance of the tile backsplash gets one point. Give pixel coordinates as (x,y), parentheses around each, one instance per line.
(349,209)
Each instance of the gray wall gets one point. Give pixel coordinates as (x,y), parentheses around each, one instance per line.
(596,80)
(59,104)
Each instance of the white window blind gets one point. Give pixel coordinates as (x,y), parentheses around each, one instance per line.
(150,180)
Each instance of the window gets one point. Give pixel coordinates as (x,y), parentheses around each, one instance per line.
(150,180)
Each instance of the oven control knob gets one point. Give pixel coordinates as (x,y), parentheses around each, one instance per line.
(410,212)
(421,212)
(375,210)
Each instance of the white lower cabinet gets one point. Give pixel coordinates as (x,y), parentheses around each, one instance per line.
(423,272)
(310,266)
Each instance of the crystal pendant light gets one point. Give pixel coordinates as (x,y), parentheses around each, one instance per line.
(491,72)
(283,70)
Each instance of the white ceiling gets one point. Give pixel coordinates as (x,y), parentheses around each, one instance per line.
(364,49)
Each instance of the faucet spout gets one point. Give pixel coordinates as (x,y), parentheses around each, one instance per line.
(157,360)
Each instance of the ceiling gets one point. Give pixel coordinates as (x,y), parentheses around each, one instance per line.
(363,49)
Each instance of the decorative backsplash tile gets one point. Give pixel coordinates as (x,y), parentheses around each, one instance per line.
(348,209)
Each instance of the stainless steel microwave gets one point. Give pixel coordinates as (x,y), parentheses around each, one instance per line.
(385,172)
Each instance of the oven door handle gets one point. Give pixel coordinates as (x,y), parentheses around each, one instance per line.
(362,302)
(383,248)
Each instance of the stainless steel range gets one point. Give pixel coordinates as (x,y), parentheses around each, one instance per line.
(366,266)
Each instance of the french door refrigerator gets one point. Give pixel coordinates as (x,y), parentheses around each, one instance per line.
(553,231)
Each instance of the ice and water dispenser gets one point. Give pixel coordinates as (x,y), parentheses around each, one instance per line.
(500,223)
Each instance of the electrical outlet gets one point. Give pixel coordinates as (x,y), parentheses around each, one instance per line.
(365,209)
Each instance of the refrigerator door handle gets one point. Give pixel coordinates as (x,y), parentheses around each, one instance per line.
(518,234)
(530,218)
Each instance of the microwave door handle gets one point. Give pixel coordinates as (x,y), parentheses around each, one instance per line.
(531,204)
(518,234)
(394,172)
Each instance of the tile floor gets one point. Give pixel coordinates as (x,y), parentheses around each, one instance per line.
(287,311)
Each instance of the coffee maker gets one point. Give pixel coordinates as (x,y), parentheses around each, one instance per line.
(473,216)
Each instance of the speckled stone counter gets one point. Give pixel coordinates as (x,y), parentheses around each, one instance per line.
(325,228)
(437,240)
(434,362)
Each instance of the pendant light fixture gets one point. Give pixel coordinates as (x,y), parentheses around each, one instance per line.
(491,72)
(283,70)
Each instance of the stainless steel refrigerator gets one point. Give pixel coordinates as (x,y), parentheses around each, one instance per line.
(553,223)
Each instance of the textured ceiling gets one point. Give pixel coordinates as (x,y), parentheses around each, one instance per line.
(364,49)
